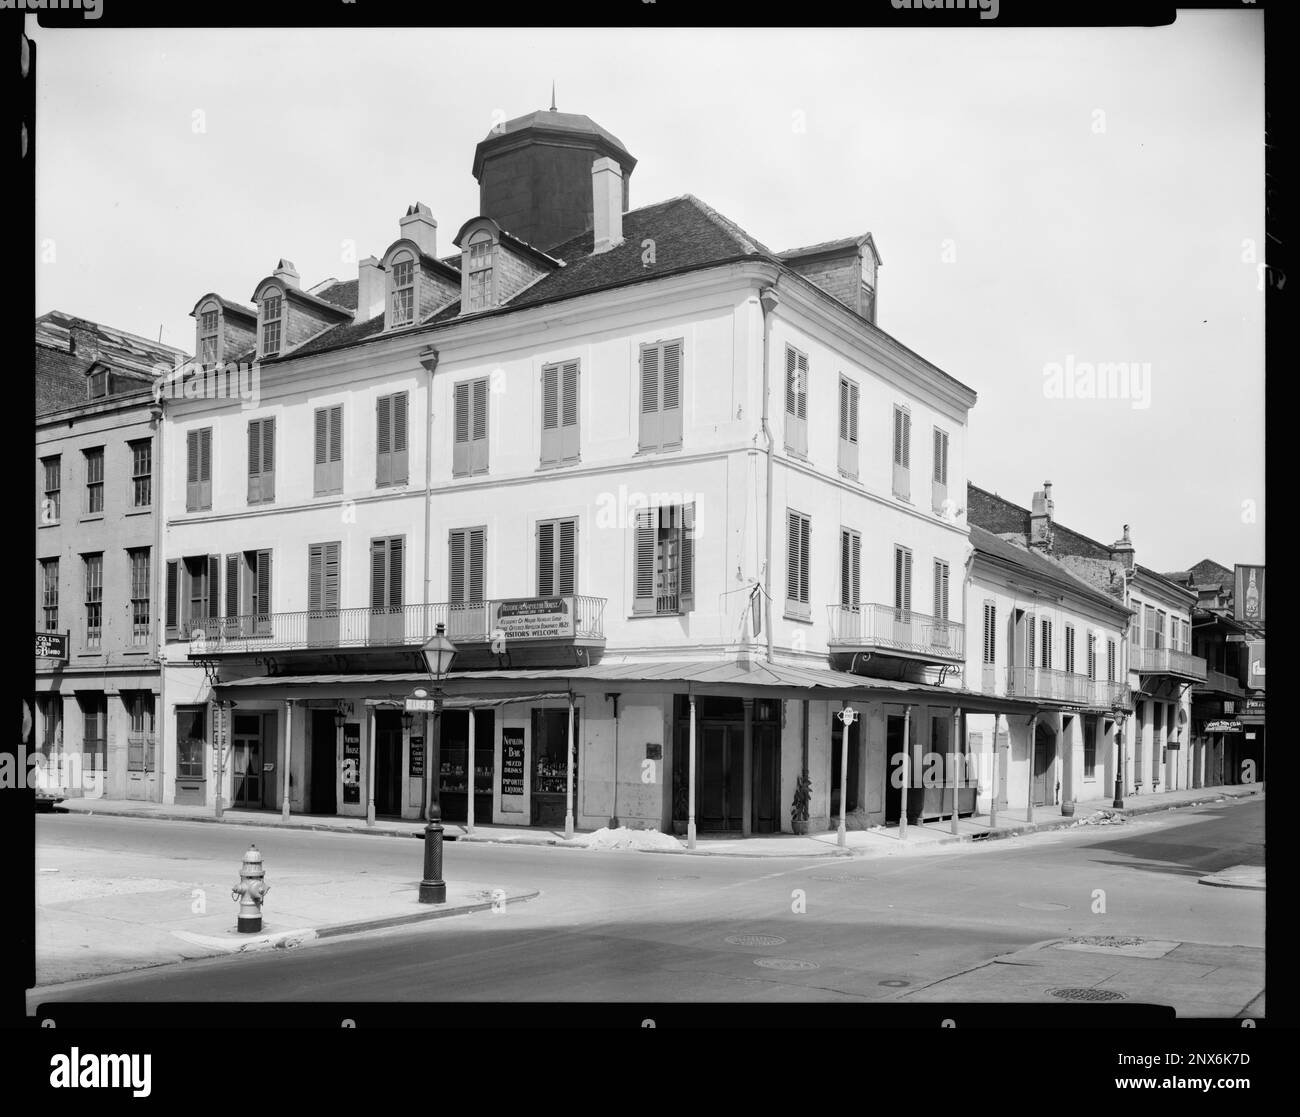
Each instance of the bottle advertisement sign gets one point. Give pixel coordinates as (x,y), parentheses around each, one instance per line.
(1248,597)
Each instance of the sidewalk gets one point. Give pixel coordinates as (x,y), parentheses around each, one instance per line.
(882,841)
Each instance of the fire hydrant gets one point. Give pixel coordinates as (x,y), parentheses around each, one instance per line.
(250,891)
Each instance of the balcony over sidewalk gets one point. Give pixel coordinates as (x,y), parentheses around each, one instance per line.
(884,630)
(1217,682)
(1167,661)
(499,625)
(1067,687)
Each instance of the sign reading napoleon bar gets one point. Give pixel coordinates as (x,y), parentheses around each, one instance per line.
(535,618)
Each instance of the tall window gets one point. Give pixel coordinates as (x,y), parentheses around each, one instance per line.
(990,632)
(1046,656)
(467,549)
(469,452)
(208,333)
(94,579)
(94,713)
(480,271)
(1110,661)
(1160,629)
(200,577)
(902,453)
(557,557)
(387,574)
(51,506)
(190,740)
(328,476)
(848,460)
(661,396)
(1069,649)
(403,297)
(850,568)
(142,473)
(939,480)
(140,741)
(272,311)
(798,530)
(198,470)
(1089,748)
(141,622)
(50,593)
(248,593)
(1187,635)
(261,460)
(390,439)
(560,413)
(1149,627)
(796,400)
(664,573)
(1092,655)
(902,581)
(94,480)
(940,590)
(52,717)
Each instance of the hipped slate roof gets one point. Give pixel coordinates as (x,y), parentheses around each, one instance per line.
(985,542)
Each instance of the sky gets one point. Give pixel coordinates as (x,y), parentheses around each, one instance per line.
(1043,202)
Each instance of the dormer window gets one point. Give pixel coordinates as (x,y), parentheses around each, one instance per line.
(208,331)
(272,309)
(97,384)
(480,271)
(402,308)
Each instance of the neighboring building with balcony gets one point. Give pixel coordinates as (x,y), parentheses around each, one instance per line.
(97,477)
(652,475)
(1158,663)
(1052,643)
(1227,730)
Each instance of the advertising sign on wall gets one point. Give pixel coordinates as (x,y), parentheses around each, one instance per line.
(534,618)
(416,767)
(352,762)
(512,761)
(1255,670)
(1248,598)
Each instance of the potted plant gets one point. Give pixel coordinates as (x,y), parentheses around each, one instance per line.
(799,805)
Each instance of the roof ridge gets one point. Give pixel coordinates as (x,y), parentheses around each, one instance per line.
(751,244)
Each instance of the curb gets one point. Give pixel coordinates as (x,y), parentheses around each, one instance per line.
(158,816)
(335,929)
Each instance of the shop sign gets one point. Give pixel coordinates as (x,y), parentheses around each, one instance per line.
(416,766)
(512,761)
(533,618)
(352,762)
(1222,727)
(1255,673)
(1255,706)
(1248,594)
(52,645)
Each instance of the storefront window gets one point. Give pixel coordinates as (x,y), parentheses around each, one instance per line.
(189,743)
(550,770)
(454,765)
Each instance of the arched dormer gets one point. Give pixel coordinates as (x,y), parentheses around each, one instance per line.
(208,341)
(269,300)
(223,330)
(479,241)
(401,268)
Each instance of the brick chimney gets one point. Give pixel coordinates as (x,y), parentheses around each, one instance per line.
(83,340)
(1123,551)
(607,205)
(1040,519)
(418,225)
(370,289)
(287,273)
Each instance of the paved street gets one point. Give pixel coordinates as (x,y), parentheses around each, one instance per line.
(655,927)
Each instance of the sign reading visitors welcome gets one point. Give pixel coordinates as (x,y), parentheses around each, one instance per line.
(534,618)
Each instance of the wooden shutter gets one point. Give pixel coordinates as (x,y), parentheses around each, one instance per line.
(850,567)
(556,557)
(171,596)
(856,568)
(378,574)
(651,425)
(686,578)
(396,573)
(262,607)
(478,461)
(211,590)
(792,555)
(670,405)
(384,440)
(569,444)
(940,590)
(903,579)
(546,558)
(475,566)
(941,456)
(329,449)
(907,441)
(644,570)
(191,470)
(232,585)
(400,466)
(551,442)
(456,566)
(336,449)
(990,621)
(254,460)
(805,527)
(567,562)
(1031,644)
(853,413)
(796,400)
(315,574)
(205,468)
(461,431)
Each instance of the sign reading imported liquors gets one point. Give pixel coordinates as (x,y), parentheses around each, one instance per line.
(1254,706)
(52,645)
(534,618)
(512,761)
(352,762)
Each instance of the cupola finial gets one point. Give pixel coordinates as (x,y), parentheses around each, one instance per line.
(552,95)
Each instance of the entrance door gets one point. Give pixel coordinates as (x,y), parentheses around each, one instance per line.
(766,818)
(246,761)
(324,763)
(1044,766)
(893,767)
(388,762)
(721,786)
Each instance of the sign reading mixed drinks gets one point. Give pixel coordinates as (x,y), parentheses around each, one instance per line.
(512,761)
(534,618)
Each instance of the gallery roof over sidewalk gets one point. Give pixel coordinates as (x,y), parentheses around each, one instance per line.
(712,676)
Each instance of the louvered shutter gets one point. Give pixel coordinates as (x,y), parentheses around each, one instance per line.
(378,575)
(567,561)
(254,461)
(903,579)
(191,470)
(686,581)
(475,571)
(546,558)
(805,527)
(205,468)
(460,454)
(569,444)
(898,436)
(907,441)
(1031,654)
(791,406)
(384,440)
(263,610)
(232,593)
(400,467)
(845,593)
(551,440)
(330,598)
(792,556)
(321,443)
(856,570)
(315,575)
(268,459)
(651,426)
(941,591)
(644,571)
(456,567)
(670,407)
(478,462)
(212,593)
(396,572)
(171,595)
(796,400)
(853,413)
(335,472)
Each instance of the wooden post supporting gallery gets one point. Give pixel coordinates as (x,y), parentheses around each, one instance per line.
(690,783)
(286,756)
(568,782)
(996,789)
(1029,794)
(747,797)
(907,761)
(469,770)
(956,760)
(370,765)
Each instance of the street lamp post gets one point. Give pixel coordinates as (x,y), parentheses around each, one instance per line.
(847,717)
(438,654)
(1118,804)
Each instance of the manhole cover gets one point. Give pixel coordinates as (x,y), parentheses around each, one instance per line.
(896,984)
(785,964)
(755,940)
(1043,905)
(1087,994)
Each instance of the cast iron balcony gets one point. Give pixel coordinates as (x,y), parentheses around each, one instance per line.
(882,628)
(1065,686)
(1167,661)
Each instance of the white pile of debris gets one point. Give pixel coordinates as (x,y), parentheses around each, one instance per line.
(623,838)
(1105,817)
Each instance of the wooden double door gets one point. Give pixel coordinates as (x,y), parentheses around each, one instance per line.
(1044,774)
(720,774)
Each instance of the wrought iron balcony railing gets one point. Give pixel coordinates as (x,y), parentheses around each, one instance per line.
(576,617)
(1066,686)
(1167,661)
(885,628)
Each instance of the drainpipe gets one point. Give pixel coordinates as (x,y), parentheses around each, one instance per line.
(769,301)
(429,359)
(159,591)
